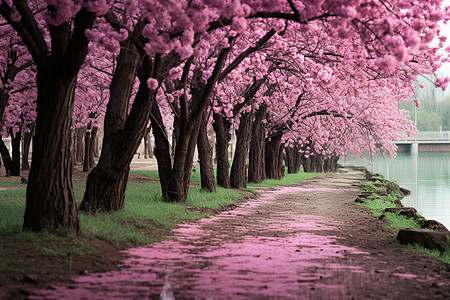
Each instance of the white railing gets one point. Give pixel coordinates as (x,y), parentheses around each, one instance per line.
(431,136)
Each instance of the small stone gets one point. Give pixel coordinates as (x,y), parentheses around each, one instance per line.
(405,192)
(409,212)
(30,279)
(433,225)
(24,292)
(428,239)
(398,203)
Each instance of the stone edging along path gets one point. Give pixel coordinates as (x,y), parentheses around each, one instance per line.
(308,241)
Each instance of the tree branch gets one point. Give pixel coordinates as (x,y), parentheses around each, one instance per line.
(245,54)
(78,46)
(27,29)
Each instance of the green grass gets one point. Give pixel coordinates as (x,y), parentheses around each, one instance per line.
(195,175)
(149,173)
(442,256)
(8,183)
(288,179)
(11,216)
(378,203)
(19,192)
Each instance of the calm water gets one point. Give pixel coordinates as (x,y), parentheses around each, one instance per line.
(426,175)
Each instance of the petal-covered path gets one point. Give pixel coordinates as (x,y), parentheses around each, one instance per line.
(308,241)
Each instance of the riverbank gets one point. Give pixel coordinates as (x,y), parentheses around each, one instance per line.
(307,241)
(426,175)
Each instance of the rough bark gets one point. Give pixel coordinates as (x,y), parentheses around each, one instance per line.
(222,129)
(92,146)
(256,165)
(298,159)
(205,154)
(27,136)
(162,150)
(293,159)
(190,115)
(289,159)
(106,183)
(189,161)
(313,163)
(89,149)
(79,144)
(330,164)
(238,173)
(15,145)
(274,157)
(50,202)
(6,157)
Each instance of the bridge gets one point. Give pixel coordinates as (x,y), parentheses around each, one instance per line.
(426,141)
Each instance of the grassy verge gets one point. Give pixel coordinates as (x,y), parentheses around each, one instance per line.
(288,179)
(380,194)
(144,219)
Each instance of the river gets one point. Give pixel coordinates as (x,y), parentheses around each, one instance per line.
(426,175)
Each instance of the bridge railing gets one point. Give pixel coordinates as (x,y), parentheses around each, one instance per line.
(431,136)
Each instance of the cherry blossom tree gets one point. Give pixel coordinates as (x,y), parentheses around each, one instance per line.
(58,26)
(16,78)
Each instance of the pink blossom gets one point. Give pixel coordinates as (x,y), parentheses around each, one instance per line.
(176,73)
(385,63)
(152,83)
(416,102)
(239,24)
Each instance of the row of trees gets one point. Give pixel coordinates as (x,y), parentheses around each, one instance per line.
(321,78)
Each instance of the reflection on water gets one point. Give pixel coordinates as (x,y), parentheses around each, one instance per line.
(426,175)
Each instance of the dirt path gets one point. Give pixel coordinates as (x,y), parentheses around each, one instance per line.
(304,242)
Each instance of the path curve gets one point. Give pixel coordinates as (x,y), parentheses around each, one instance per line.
(307,241)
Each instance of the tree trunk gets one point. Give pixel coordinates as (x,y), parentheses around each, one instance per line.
(6,157)
(79,144)
(256,166)
(293,159)
(306,163)
(317,162)
(92,146)
(15,145)
(189,160)
(290,159)
(205,154)
(178,186)
(89,149)
(97,146)
(297,159)
(148,151)
(27,136)
(330,164)
(239,166)
(274,157)
(222,129)
(106,183)
(190,115)
(50,202)
(162,150)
